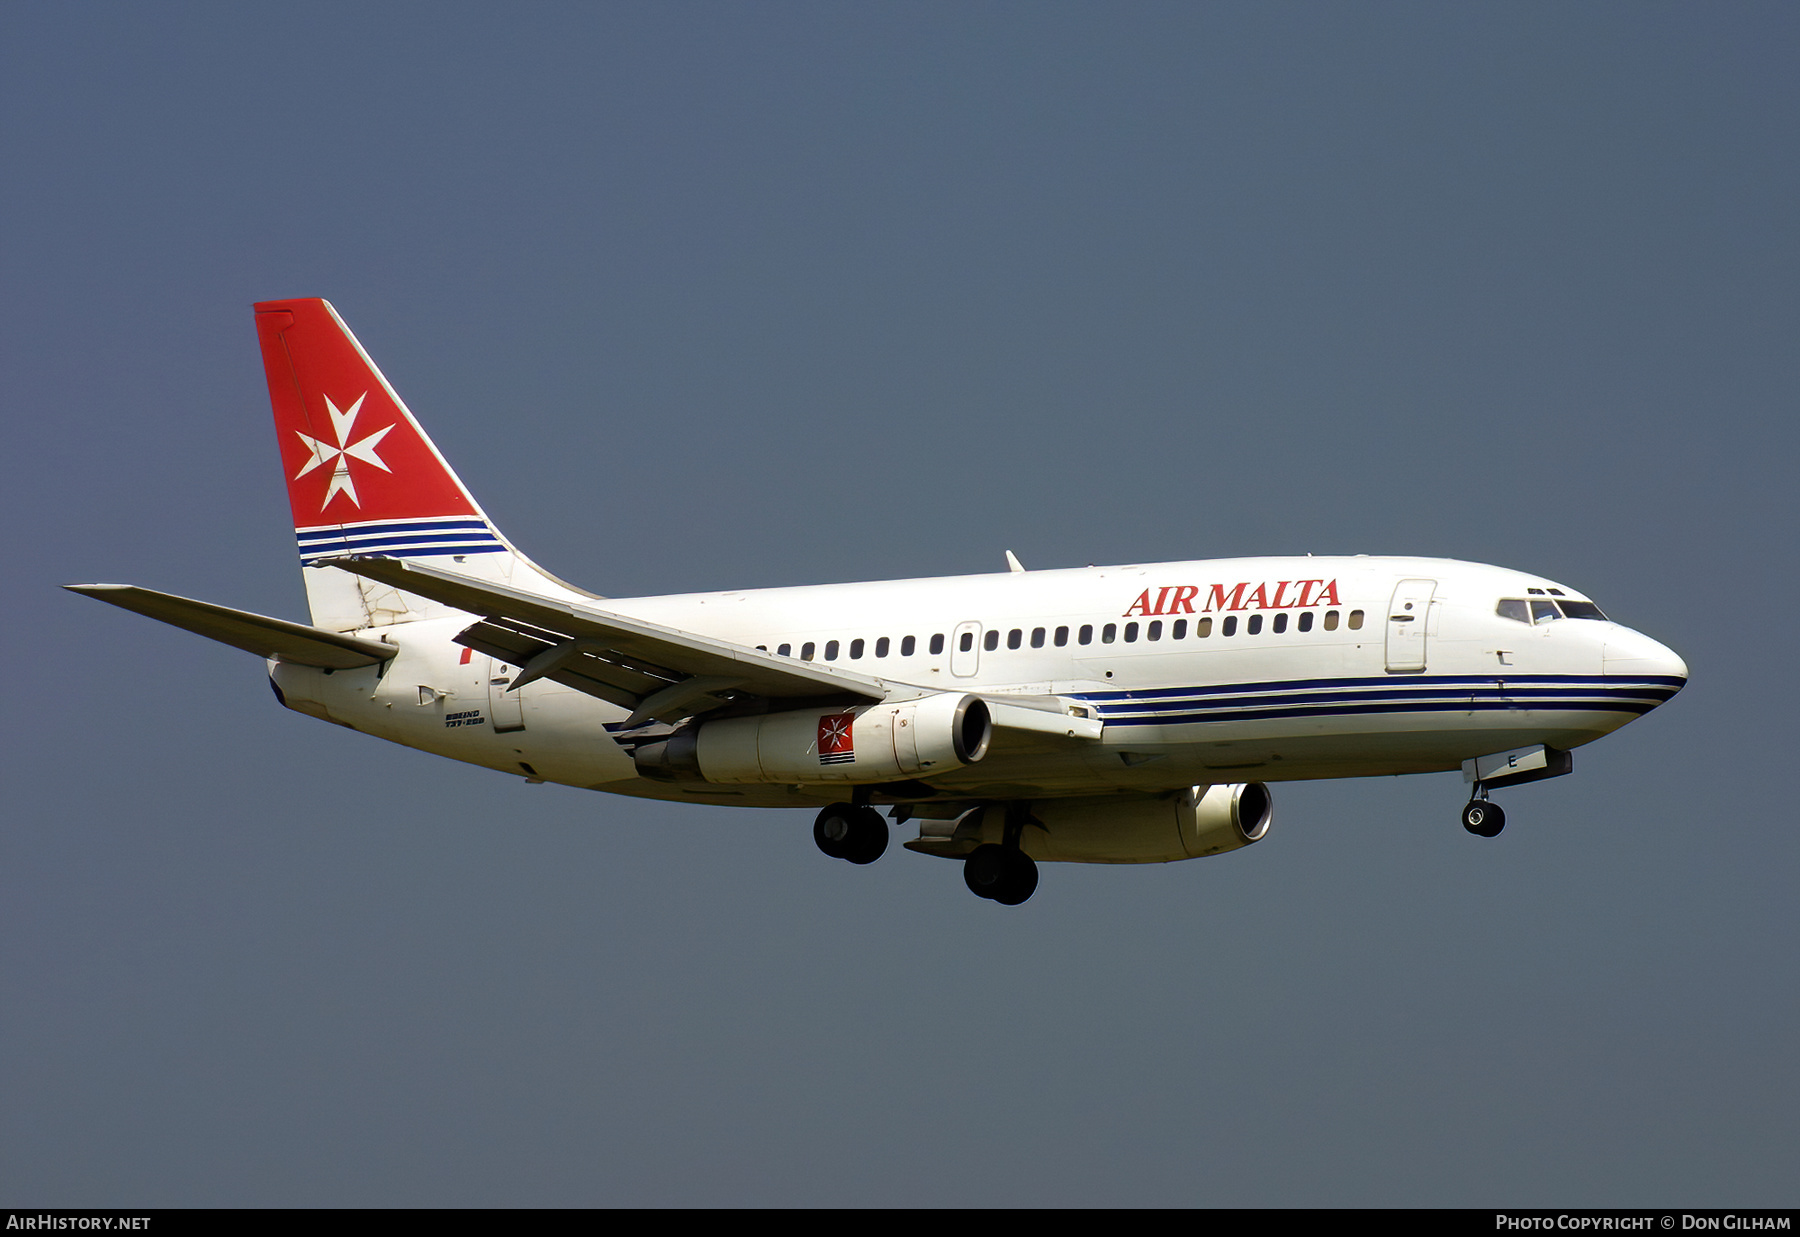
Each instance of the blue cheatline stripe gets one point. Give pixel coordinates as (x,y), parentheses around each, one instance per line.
(407,539)
(396,526)
(400,539)
(1636,708)
(410,551)
(407,551)
(413,539)
(1348,697)
(1607,690)
(1379,681)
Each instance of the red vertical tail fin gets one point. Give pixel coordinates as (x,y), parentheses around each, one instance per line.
(363,477)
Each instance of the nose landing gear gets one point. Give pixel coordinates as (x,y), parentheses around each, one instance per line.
(1482,817)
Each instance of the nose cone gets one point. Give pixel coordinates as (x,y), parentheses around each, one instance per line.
(1633,655)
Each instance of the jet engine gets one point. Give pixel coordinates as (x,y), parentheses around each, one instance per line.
(884,742)
(1199,821)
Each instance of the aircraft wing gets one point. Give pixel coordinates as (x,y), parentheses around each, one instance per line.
(1037,716)
(657,672)
(254,633)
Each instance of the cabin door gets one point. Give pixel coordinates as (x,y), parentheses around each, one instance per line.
(965,649)
(1406,626)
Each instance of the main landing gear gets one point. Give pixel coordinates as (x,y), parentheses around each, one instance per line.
(1483,817)
(1000,875)
(1003,872)
(846,831)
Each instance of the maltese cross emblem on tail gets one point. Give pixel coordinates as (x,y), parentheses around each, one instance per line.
(340,455)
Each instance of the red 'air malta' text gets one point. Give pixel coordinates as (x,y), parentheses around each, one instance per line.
(1281,595)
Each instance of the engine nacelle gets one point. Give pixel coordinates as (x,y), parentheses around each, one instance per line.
(888,742)
(1200,821)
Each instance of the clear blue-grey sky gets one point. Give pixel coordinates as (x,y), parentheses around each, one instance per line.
(716,295)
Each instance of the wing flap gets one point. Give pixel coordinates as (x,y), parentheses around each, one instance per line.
(613,684)
(254,633)
(614,656)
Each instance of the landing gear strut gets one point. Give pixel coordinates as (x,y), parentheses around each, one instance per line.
(846,831)
(1003,873)
(1483,817)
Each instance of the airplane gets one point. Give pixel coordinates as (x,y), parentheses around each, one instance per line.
(1127,714)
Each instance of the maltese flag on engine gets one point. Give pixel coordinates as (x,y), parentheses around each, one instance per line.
(836,742)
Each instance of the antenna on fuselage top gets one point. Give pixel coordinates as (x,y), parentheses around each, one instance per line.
(1013,563)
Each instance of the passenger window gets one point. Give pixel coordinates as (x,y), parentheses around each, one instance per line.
(1037,637)
(1331,620)
(1062,636)
(1179,630)
(881,647)
(1356,618)
(1131,633)
(991,641)
(1543,611)
(1306,621)
(1155,632)
(1014,638)
(937,644)
(1254,626)
(1108,632)
(1202,628)
(831,647)
(762,648)
(856,649)
(1514,608)
(967,642)
(907,646)
(806,651)
(1087,633)
(1229,626)
(1280,623)
(786,650)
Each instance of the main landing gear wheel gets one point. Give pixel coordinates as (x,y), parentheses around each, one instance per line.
(1484,818)
(857,834)
(1001,875)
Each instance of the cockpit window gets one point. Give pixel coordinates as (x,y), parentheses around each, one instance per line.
(1538,610)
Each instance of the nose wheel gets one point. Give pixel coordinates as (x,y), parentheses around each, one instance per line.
(1483,818)
(856,834)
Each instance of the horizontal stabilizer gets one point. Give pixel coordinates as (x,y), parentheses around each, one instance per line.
(655,671)
(254,633)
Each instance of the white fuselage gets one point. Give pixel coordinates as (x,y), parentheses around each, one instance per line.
(1204,672)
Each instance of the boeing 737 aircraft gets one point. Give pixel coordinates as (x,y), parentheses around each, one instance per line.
(1100,715)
